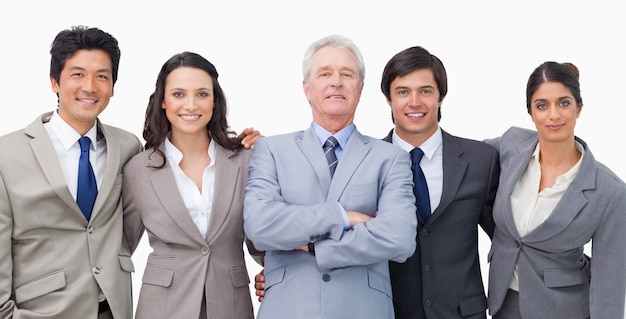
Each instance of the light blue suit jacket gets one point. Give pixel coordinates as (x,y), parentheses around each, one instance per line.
(555,278)
(291,201)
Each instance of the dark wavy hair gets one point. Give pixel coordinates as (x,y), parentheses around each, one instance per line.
(409,60)
(67,42)
(157,126)
(565,73)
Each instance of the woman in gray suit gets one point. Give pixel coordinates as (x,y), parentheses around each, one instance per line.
(186,189)
(553,198)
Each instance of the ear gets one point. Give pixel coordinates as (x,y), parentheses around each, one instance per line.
(579,109)
(55,85)
(307,90)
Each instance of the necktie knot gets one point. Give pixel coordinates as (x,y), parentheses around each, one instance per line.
(84,143)
(416,155)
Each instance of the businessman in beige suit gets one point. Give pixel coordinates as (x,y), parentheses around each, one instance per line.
(59,260)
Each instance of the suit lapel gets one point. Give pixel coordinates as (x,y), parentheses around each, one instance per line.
(516,165)
(226,177)
(359,147)
(570,204)
(454,168)
(49,162)
(165,187)
(114,153)
(314,154)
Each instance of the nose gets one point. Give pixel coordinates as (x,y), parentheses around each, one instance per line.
(88,84)
(190,103)
(336,80)
(554,112)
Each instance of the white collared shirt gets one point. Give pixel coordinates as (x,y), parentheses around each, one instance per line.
(65,141)
(431,163)
(532,207)
(198,204)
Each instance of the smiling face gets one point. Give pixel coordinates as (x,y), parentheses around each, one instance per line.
(554,111)
(188,101)
(414,104)
(333,88)
(85,87)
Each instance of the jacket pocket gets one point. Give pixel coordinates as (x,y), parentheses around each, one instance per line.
(379,282)
(158,276)
(275,276)
(239,276)
(40,286)
(555,278)
(473,305)
(126,263)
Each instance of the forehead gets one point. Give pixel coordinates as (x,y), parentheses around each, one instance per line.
(97,60)
(551,90)
(188,77)
(416,78)
(332,57)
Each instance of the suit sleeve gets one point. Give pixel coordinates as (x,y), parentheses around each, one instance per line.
(7,305)
(390,235)
(608,260)
(269,221)
(133,224)
(486,217)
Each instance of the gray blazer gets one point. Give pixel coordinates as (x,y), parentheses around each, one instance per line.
(184,265)
(556,280)
(52,260)
(443,278)
(291,201)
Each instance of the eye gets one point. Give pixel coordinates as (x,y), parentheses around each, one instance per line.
(426,91)
(103,77)
(564,103)
(203,94)
(541,106)
(178,94)
(347,74)
(77,74)
(403,92)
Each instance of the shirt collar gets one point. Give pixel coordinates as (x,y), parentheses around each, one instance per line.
(175,156)
(68,135)
(429,147)
(342,136)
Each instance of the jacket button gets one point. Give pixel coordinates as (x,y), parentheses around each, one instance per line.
(426,267)
(326,277)
(424,232)
(204,251)
(96,270)
(427,303)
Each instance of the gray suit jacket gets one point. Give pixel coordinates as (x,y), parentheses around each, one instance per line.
(443,278)
(291,201)
(183,265)
(555,278)
(53,260)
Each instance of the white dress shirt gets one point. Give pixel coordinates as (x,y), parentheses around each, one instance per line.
(198,204)
(431,163)
(65,141)
(532,207)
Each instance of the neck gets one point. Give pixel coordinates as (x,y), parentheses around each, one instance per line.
(190,145)
(558,154)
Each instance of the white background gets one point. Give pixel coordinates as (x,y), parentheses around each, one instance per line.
(489,49)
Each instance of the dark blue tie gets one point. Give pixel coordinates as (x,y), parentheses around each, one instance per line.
(329,150)
(421,188)
(87,187)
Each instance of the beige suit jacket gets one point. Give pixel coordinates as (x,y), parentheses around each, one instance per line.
(183,265)
(52,260)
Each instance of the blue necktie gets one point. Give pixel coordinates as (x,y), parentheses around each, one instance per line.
(329,150)
(421,188)
(87,187)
